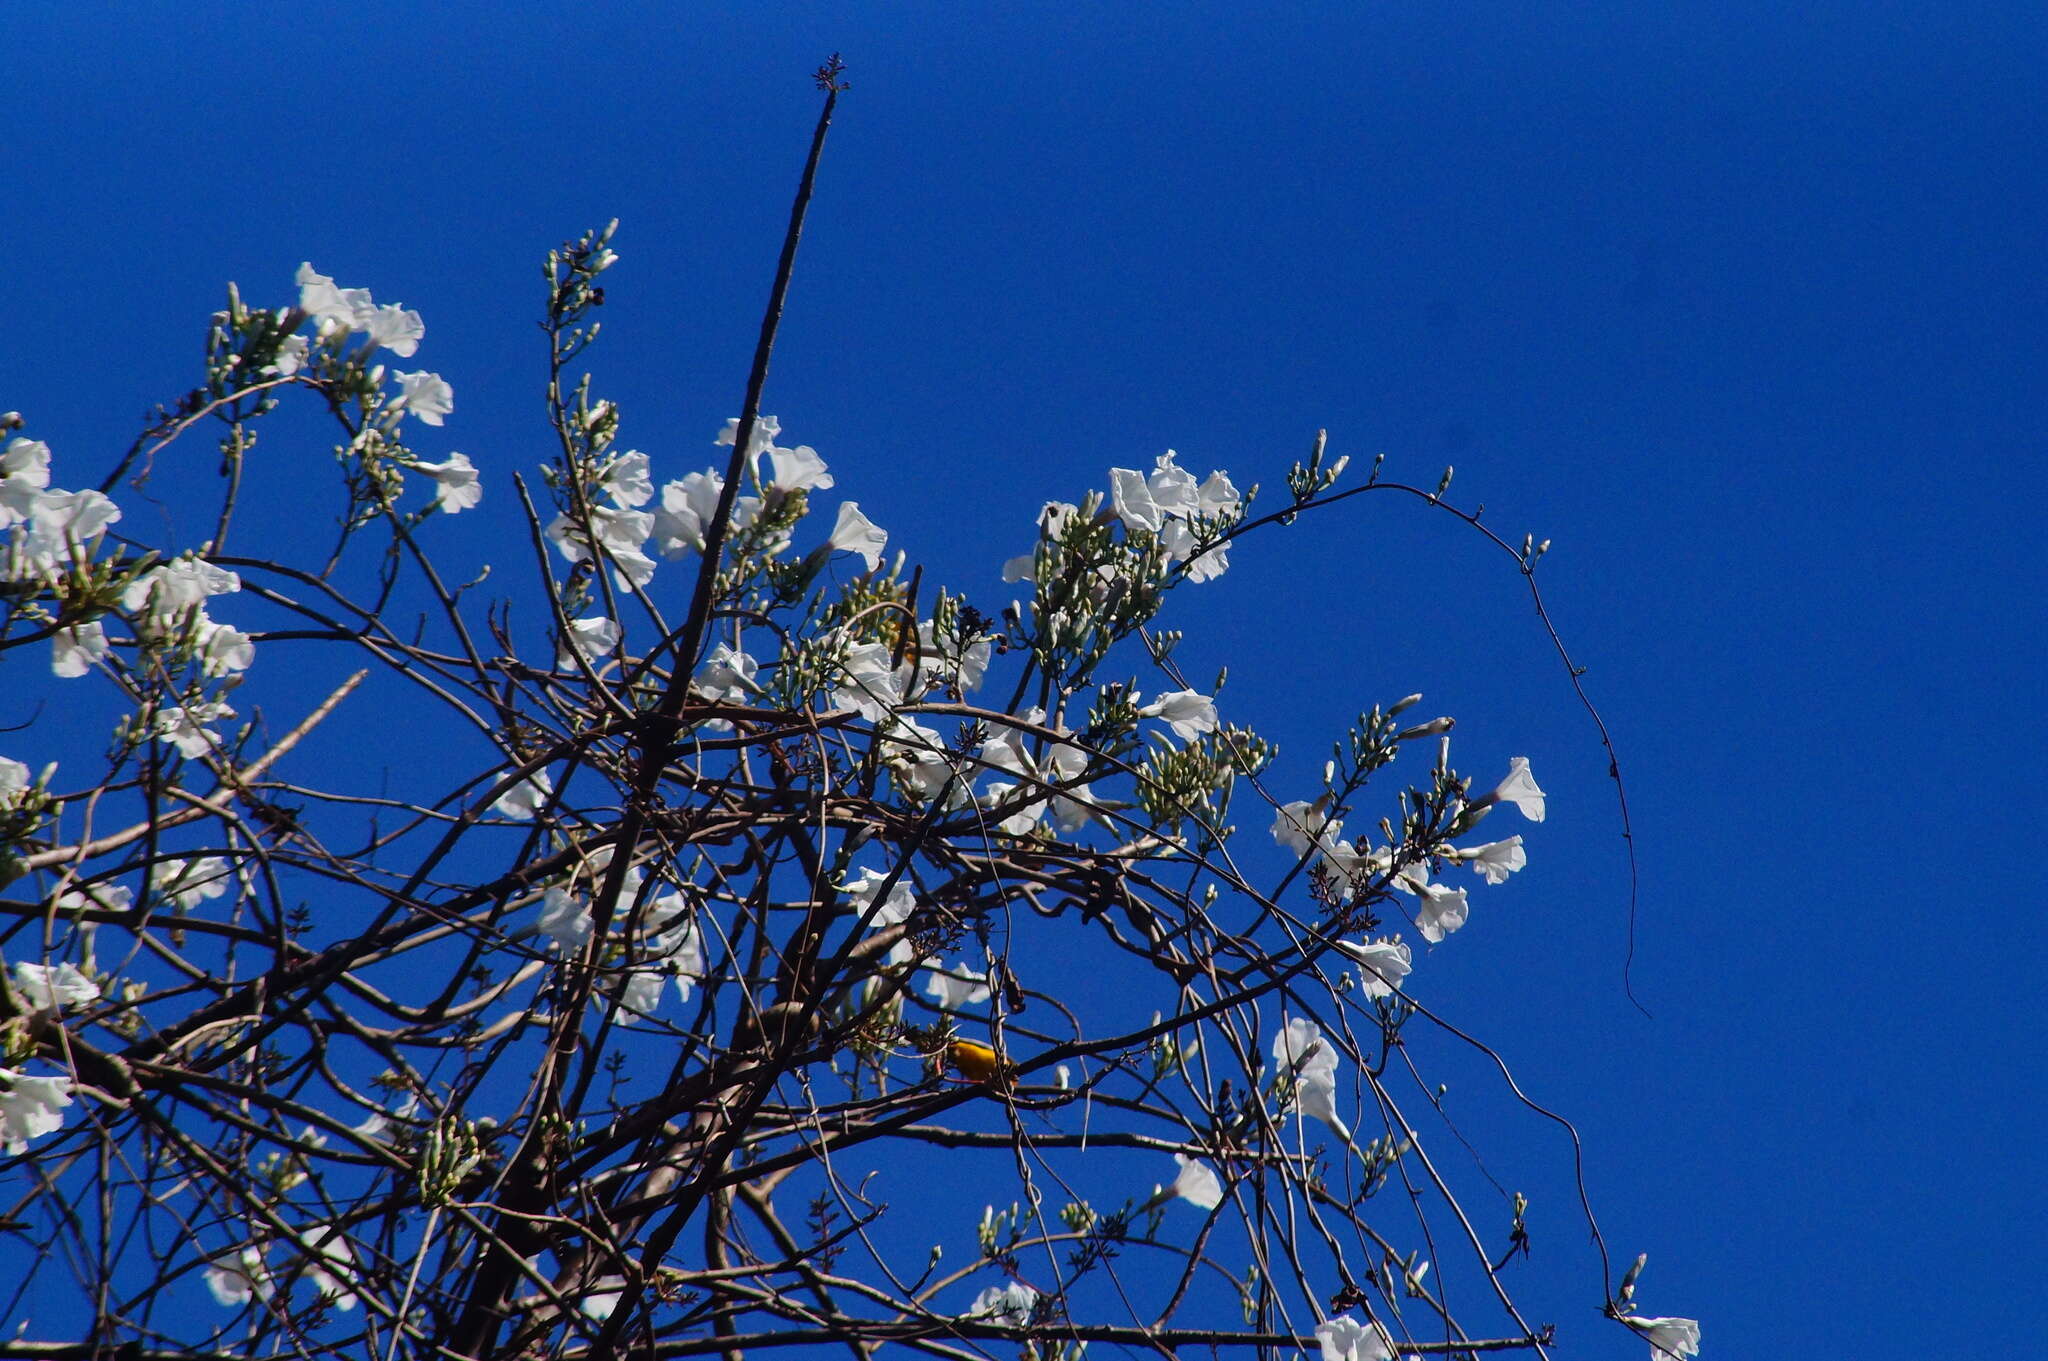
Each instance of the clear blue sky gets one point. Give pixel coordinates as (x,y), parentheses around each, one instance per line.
(1741,306)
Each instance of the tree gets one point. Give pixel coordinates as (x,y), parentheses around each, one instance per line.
(679,938)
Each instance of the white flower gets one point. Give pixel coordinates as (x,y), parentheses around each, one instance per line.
(223,649)
(892,910)
(185,727)
(855,533)
(240,1278)
(967,666)
(766,428)
(457,484)
(331,1254)
(74,650)
(798,469)
(622,532)
(45,988)
(1011,1304)
(1189,714)
(1294,824)
(626,481)
(918,756)
(1669,1338)
(640,993)
(1344,1338)
(425,395)
(1519,789)
(1074,806)
(1496,860)
(331,307)
(524,799)
(563,919)
(1302,1052)
(1382,965)
(591,637)
(872,684)
(1217,498)
(166,592)
(687,508)
(1181,542)
(108,897)
(1196,1183)
(14,782)
(727,675)
(957,988)
(1441,911)
(291,356)
(1148,502)
(63,527)
(396,329)
(189,883)
(682,946)
(30,1106)
(1300,1049)
(25,463)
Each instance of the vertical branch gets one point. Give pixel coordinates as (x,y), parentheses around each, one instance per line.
(694,624)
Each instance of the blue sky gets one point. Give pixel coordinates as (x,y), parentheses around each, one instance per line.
(1740,307)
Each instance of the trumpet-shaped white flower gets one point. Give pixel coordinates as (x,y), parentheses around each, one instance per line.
(1302,1052)
(762,439)
(397,329)
(798,469)
(30,1106)
(240,1278)
(1441,911)
(1344,1338)
(621,532)
(425,395)
(1301,824)
(871,684)
(1149,501)
(62,528)
(919,758)
(1382,965)
(957,987)
(1519,789)
(727,675)
(188,883)
(331,307)
(74,650)
(14,782)
(1496,860)
(184,726)
(52,988)
(591,637)
(684,516)
(167,591)
(224,649)
(564,919)
(457,485)
(1670,1339)
(24,465)
(626,480)
(1188,713)
(524,799)
(1196,1183)
(333,1263)
(892,910)
(855,533)
(1012,1304)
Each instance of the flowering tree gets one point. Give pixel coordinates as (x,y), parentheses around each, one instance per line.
(714,946)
